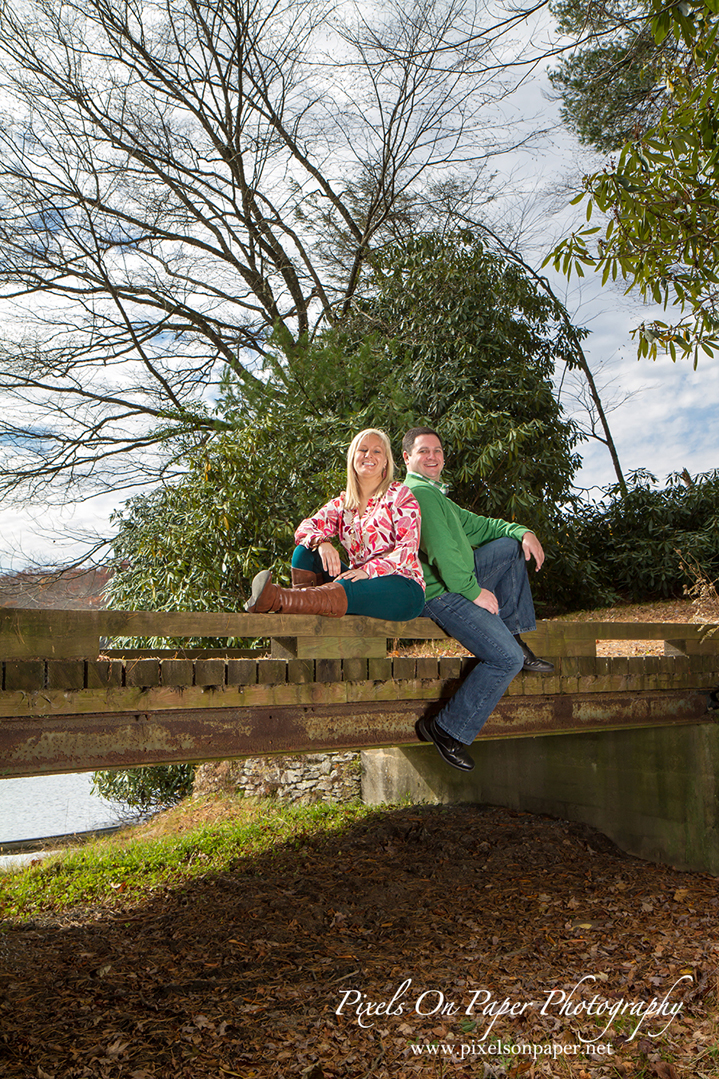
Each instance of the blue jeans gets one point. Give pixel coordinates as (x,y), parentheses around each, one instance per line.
(393,596)
(499,566)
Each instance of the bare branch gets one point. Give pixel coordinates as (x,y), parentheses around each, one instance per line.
(184,182)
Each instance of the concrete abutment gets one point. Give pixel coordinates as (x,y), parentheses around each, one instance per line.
(652,790)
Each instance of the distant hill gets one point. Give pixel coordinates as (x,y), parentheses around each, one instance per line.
(56,589)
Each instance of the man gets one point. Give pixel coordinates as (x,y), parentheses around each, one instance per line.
(475,570)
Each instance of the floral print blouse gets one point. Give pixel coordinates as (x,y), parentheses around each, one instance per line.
(381,541)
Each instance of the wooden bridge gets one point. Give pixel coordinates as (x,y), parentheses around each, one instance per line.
(69,703)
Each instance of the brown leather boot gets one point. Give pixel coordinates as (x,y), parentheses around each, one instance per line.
(327,599)
(305,578)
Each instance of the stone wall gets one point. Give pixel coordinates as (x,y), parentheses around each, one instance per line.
(307,777)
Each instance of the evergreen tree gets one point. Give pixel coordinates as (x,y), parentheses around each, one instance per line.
(449,335)
(612,85)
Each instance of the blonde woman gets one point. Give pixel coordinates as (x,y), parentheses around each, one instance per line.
(377,521)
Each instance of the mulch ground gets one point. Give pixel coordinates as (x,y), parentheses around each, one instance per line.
(399,924)
(460,941)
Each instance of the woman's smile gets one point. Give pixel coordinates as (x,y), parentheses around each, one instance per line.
(370,458)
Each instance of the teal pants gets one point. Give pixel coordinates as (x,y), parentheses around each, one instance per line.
(394,597)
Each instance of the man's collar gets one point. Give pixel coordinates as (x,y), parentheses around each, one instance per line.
(443,487)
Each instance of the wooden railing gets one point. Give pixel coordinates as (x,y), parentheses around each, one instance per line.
(26,633)
(66,704)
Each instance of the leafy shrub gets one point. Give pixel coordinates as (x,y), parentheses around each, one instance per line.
(634,547)
(145,789)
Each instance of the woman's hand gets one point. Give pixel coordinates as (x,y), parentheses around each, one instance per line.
(353,575)
(330,559)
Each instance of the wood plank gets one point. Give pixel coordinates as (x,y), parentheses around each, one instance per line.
(25,674)
(24,627)
(427,666)
(28,634)
(379,670)
(629,631)
(176,672)
(389,692)
(301,671)
(327,647)
(31,633)
(66,674)
(692,646)
(450,666)
(45,702)
(101,673)
(241,624)
(270,671)
(183,653)
(354,669)
(241,672)
(328,670)
(404,667)
(142,672)
(209,672)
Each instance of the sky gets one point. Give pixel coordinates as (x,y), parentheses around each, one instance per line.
(665,413)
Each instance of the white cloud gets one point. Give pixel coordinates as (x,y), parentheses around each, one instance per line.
(44,535)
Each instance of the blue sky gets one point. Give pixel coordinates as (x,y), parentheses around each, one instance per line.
(669,420)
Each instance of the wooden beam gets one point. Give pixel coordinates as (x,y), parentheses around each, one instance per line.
(54,687)
(240,624)
(29,634)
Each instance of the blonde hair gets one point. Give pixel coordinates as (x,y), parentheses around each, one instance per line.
(352,491)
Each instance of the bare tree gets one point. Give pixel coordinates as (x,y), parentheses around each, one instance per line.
(183,181)
(594,397)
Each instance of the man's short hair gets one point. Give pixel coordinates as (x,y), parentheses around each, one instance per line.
(413,434)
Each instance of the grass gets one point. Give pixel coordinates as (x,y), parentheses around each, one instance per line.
(197,837)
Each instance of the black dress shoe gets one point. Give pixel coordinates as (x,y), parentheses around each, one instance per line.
(533,663)
(450,750)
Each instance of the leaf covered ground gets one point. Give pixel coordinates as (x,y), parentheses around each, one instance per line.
(434,941)
(402,919)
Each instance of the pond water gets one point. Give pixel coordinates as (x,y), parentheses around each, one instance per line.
(43,806)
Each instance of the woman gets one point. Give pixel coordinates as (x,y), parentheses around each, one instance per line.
(376,519)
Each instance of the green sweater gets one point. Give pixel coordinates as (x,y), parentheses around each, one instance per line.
(449,536)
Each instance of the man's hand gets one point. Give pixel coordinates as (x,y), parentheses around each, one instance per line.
(532,549)
(331,562)
(488,600)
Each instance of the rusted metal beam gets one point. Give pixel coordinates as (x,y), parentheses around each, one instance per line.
(74,743)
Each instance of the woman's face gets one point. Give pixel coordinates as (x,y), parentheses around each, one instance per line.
(370,461)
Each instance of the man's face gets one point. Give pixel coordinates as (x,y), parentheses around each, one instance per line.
(426,457)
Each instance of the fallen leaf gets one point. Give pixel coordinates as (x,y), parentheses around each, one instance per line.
(663,1070)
